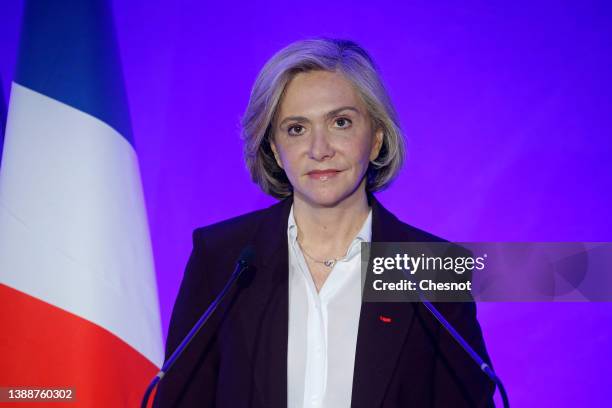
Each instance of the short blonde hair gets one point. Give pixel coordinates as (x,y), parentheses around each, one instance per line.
(331,55)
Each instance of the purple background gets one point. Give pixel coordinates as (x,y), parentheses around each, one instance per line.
(507,112)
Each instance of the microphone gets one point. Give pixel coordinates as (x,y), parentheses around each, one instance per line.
(468,349)
(244,261)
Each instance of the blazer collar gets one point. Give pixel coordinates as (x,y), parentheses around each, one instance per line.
(273,226)
(266,323)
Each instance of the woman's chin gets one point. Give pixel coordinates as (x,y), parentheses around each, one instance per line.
(325,198)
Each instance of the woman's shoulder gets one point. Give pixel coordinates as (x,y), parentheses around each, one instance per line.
(234,230)
(388,227)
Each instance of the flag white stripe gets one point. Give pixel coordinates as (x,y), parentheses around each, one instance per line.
(73,227)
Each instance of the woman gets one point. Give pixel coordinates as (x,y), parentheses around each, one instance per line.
(320,134)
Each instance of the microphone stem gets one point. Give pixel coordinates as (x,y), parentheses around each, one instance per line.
(471,352)
(240,267)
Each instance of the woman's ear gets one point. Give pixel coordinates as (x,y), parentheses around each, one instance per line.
(276,156)
(377,143)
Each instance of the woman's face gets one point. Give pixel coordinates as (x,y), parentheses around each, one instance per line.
(323,138)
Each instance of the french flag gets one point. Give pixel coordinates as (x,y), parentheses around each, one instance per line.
(78,299)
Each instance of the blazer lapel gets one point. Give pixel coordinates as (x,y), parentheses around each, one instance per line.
(382,326)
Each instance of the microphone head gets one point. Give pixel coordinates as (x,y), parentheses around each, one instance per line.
(246,256)
(245,260)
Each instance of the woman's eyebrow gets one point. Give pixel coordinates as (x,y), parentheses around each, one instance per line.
(337,111)
(328,115)
(293,119)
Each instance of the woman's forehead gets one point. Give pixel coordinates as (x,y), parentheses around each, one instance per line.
(318,93)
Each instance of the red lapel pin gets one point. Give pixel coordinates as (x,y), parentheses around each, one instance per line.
(384,319)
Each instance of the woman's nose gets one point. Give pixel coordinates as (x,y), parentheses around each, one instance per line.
(320,147)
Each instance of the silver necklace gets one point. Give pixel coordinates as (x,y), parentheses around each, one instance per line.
(327,262)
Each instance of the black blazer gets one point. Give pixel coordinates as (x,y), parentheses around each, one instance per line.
(240,358)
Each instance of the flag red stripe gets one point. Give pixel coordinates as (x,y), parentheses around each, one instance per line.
(44,346)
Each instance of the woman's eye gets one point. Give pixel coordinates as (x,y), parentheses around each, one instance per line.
(295,130)
(343,123)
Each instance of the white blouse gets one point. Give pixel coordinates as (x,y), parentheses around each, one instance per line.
(323,326)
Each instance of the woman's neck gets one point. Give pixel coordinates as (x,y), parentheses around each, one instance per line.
(328,231)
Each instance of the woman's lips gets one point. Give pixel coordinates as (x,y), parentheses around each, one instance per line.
(323,174)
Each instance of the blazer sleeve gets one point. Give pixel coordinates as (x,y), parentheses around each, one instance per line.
(458,381)
(192,380)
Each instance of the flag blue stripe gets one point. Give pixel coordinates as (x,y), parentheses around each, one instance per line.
(69,52)
(2,119)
